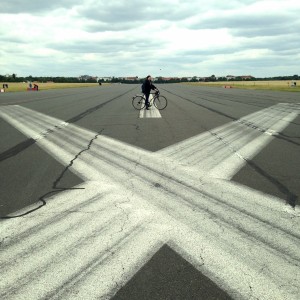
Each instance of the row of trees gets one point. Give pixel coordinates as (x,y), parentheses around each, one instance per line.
(212,78)
(140,80)
(14,78)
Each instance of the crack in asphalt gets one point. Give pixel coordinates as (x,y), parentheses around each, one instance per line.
(55,187)
(29,142)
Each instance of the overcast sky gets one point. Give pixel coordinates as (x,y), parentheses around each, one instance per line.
(157,37)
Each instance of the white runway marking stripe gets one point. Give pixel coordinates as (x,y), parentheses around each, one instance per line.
(88,242)
(153,112)
(223,151)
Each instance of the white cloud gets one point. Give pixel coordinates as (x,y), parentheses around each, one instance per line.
(169,37)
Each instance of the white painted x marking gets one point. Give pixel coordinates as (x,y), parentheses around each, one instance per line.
(87,243)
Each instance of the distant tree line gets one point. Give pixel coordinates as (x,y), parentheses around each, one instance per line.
(294,77)
(141,80)
(14,78)
(212,78)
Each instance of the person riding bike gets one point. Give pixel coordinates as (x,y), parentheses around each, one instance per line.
(147,87)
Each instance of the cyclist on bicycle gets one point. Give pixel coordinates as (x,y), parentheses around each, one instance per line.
(147,87)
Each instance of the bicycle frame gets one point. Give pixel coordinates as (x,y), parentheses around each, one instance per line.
(154,100)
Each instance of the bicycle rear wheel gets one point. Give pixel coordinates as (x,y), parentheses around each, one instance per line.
(160,102)
(138,102)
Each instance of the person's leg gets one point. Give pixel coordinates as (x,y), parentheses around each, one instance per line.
(147,100)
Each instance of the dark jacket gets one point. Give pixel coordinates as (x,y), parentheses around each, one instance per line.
(149,86)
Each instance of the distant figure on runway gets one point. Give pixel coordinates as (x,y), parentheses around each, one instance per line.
(36,87)
(147,87)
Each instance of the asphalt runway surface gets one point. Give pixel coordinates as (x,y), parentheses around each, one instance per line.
(217,171)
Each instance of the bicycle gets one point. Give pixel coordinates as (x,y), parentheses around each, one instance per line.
(160,102)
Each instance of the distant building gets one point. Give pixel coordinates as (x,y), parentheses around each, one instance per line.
(88,77)
(169,78)
(104,78)
(131,78)
(245,77)
(229,77)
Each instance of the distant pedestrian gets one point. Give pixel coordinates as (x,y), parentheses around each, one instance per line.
(36,87)
(147,87)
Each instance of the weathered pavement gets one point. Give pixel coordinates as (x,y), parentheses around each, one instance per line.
(89,241)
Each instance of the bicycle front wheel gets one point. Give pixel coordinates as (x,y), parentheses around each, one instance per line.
(138,102)
(160,102)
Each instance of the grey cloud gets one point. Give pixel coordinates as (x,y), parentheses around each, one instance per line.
(35,6)
(136,55)
(249,25)
(101,26)
(210,52)
(262,65)
(106,46)
(281,44)
(279,56)
(285,47)
(117,15)
(263,29)
(12,39)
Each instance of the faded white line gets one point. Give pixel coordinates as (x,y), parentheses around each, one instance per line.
(153,112)
(223,151)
